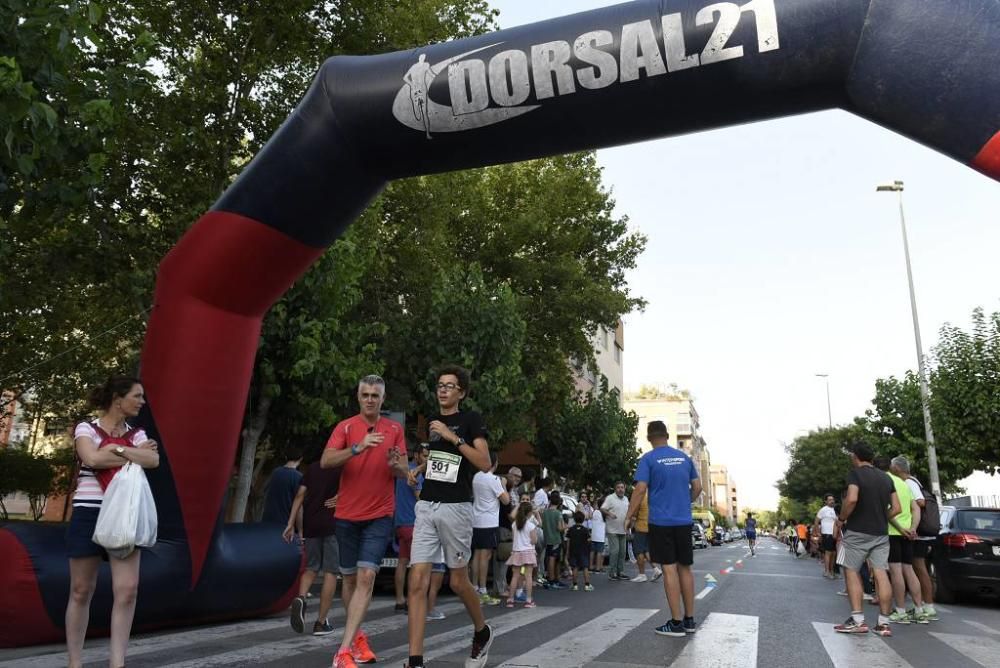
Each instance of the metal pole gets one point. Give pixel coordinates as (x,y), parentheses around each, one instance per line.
(921,367)
(829,413)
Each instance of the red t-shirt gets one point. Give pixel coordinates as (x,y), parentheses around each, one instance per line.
(367,484)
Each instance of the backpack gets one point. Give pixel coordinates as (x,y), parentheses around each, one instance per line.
(930,515)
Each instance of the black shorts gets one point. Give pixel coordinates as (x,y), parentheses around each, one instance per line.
(80,532)
(485,539)
(553,552)
(827,543)
(580,559)
(671,545)
(900,550)
(922,549)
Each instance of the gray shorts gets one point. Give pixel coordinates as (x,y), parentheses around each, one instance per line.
(442,533)
(322,555)
(856,547)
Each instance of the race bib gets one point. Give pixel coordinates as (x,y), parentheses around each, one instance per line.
(443,466)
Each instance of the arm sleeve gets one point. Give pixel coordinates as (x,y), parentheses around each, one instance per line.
(641,471)
(497,486)
(85,429)
(139,437)
(477,427)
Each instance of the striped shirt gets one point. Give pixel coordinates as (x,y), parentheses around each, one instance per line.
(88,490)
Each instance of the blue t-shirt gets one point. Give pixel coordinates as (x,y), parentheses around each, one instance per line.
(751,526)
(406,501)
(281,491)
(668,472)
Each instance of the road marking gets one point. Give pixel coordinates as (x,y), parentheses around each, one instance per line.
(706,591)
(584,643)
(282,649)
(457,640)
(867,649)
(722,641)
(984,651)
(941,608)
(982,627)
(97,650)
(726,571)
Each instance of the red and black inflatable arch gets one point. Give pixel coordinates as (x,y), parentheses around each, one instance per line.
(928,70)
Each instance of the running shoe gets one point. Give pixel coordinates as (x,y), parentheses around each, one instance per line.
(322,628)
(575,587)
(689,625)
(672,629)
(297,617)
(657,574)
(917,617)
(899,618)
(641,577)
(851,626)
(361,650)
(343,659)
(588,587)
(930,613)
(882,630)
(401,607)
(435,615)
(481,647)
(486,599)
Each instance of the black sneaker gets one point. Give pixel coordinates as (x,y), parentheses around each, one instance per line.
(672,629)
(322,628)
(689,626)
(480,649)
(401,607)
(297,617)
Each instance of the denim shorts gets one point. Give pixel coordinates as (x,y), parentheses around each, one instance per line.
(363,544)
(80,534)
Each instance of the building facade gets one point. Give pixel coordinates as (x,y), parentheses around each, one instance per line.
(609,351)
(725,493)
(681,417)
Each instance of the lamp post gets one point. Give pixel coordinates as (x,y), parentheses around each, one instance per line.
(829,413)
(897,187)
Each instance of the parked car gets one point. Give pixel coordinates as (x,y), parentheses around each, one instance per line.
(966,554)
(717,535)
(698,539)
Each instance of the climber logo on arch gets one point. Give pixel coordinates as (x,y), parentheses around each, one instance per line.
(470,96)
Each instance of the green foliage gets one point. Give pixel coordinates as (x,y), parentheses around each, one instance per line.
(819,464)
(590,441)
(33,476)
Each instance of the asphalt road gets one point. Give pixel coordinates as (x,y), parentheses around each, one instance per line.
(771,611)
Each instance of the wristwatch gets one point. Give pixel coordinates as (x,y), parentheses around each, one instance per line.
(461,442)
(354,450)
(120,451)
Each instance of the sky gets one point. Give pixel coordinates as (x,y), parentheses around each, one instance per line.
(771,258)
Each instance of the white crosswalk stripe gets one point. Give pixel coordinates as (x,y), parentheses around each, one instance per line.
(584,643)
(984,651)
(852,650)
(983,627)
(722,641)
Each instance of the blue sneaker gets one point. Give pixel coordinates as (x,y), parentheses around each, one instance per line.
(672,628)
(520,596)
(689,625)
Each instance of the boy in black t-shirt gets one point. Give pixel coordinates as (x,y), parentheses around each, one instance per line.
(579,551)
(443,527)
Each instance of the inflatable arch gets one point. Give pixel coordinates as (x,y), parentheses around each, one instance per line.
(652,68)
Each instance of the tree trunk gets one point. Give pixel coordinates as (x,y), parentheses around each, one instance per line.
(258,420)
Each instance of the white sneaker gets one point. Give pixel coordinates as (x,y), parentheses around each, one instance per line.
(641,577)
(657,574)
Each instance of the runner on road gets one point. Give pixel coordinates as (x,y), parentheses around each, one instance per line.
(750,526)
(443,528)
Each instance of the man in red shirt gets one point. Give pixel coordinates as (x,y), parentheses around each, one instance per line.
(372,452)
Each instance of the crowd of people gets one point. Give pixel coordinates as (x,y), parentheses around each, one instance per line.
(440,502)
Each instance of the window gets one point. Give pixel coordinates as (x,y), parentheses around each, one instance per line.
(604,338)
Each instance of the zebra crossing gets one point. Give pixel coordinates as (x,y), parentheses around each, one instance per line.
(724,640)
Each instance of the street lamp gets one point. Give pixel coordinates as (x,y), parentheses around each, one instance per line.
(829,413)
(897,187)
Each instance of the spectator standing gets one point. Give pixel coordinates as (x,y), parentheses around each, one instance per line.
(512,480)
(578,538)
(923,544)
(865,523)
(597,538)
(282,487)
(488,495)
(902,536)
(640,543)
(311,517)
(671,479)
(553,528)
(825,522)
(614,508)
(522,558)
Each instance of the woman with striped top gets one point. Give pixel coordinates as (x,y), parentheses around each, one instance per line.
(103,446)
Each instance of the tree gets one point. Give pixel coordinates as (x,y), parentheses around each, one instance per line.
(819,464)
(590,441)
(22,472)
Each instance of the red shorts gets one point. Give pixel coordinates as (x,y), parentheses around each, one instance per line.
(404,536)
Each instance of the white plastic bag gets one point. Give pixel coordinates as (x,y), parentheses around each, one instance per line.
(128,514)
(801,549)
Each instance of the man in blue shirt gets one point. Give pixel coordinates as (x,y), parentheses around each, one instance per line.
(672,481)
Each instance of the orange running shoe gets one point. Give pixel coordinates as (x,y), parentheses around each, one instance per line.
(361,650)
(343,659)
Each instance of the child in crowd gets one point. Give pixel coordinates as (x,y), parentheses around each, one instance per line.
(597,536)
(522,558)
(553,528)
(579,551)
